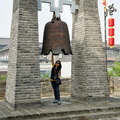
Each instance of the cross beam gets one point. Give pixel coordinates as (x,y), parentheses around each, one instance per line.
(66,2)
(58,9)
(51,2)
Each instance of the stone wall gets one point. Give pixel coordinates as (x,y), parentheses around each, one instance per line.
(114,85)
(2,89)
(47,91)
(65,88)
(46,88)
(3,73)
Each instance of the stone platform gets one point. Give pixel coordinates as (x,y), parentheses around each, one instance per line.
(68,110)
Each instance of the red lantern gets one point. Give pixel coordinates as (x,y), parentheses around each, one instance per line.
(104,2)
(111,22)
(111,31)
(111,42)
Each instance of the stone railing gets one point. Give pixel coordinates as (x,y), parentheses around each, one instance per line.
(46,88)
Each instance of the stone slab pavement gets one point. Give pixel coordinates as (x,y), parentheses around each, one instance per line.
(67,107)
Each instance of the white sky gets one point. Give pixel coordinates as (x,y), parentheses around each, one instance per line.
(45,16)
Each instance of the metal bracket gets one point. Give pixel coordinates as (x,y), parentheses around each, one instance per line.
(58,9)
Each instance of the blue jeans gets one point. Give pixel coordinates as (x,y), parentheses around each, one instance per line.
(56,90)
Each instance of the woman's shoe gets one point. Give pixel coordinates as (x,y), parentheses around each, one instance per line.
(55,101)
(58,102)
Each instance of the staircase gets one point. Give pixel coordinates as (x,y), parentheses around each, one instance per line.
(66,111)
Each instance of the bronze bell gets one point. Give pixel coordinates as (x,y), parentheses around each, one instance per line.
(56,38)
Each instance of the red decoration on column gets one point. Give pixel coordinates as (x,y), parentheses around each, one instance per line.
(111,42)
(104,2)
(111,22)
(111,31)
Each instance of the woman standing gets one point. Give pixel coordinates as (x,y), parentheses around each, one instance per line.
(56,72)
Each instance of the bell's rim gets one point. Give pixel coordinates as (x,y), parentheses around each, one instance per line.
(57,52)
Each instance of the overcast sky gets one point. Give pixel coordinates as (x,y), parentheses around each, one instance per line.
(6,16)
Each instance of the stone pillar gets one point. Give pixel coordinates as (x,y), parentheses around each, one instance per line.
(89,74)
(23,82)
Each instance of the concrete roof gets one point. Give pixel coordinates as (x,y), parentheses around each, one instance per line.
(3,60)
(4,41)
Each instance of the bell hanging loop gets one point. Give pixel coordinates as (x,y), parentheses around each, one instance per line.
(56,37)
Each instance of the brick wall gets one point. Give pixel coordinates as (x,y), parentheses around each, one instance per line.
(114,85)
(3,73)
(22,85)
(89,78)
(2,89)
(46,88)
(65,88)
(47,91)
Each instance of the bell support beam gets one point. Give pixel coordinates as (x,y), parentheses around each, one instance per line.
(51,2)
(58,9)
(66,2)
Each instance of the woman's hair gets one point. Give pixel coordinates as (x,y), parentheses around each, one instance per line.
(60,66)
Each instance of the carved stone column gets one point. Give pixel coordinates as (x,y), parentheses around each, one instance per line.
(89,74)
(23,82)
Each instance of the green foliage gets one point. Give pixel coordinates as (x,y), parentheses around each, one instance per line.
(3,78)
(42,76)
(114,71)
(45,76)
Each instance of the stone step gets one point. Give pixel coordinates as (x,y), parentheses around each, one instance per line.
(66,111)
(89,116)
(86,114)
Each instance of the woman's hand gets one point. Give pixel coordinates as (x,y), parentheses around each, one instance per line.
(59,74)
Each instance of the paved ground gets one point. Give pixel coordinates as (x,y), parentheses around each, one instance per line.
(67,108)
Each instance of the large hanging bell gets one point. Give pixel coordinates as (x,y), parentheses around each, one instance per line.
(56,38)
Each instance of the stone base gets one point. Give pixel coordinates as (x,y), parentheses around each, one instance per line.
(36,104)
(90,99)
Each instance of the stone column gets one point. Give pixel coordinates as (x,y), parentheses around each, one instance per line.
(89,74)
(23,82)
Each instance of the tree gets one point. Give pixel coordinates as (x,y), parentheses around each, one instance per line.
(114,71)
